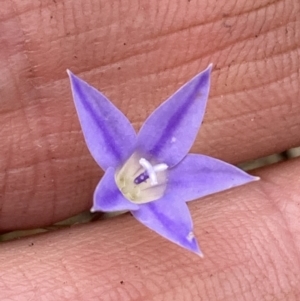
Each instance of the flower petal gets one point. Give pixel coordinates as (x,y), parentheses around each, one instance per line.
(108,134)
(198,175)
(107,196)
(171,129)
(169,217)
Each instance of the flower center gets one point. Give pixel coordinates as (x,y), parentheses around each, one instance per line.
(142,181)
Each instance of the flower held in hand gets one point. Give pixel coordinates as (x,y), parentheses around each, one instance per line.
(151,173)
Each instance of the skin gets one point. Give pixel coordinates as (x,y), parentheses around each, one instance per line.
(138,54)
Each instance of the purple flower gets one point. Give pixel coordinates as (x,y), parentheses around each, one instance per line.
(150,173)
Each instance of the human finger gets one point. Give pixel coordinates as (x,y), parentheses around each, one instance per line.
(46,171)
(250,237)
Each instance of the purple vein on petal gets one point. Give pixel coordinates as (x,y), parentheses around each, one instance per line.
(177,117)
(198,175)
(108,134)
(171,129)
(169,217)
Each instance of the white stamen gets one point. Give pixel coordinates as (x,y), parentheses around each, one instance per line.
(152,170)
(160,167)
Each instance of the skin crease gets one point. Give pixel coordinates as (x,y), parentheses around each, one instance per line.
(138,53)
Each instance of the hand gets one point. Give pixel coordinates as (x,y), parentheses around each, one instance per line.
(138,54)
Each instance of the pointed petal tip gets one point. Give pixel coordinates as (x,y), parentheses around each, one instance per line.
(209,67)
(72,77)
(200,254)
(196,249)
(206,73)
(69,72)
(93,210)
(204,77)
(193,244)
(253,178)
